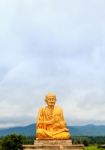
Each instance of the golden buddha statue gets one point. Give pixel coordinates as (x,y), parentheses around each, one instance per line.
(50,122)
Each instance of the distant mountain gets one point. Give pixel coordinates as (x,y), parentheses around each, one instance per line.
(26,130)
(86,130)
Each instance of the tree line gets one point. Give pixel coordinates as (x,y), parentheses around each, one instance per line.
(88,140)
(15,142)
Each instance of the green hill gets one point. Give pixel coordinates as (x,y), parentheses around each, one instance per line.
(86,130)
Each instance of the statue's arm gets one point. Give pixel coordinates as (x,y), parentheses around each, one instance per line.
(40,119)
(60,122)
(63,122)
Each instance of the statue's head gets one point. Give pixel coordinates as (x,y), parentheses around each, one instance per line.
(50,99)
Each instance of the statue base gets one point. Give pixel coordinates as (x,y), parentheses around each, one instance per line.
(49,144)
(52,142)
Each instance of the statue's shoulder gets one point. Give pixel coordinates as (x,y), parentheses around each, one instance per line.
(58,108)
(41,109)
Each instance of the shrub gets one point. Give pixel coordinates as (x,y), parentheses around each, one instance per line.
(12,142)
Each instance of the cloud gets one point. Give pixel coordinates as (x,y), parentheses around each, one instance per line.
(53,46)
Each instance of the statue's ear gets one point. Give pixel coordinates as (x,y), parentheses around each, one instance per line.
(45,100)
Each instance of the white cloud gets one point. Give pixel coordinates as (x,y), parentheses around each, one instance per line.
(52,46)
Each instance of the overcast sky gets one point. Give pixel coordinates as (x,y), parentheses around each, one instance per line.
(52,46)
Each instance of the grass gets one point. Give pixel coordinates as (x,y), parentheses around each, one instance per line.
(93,147)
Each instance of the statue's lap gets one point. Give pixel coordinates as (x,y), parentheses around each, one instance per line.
(43,134)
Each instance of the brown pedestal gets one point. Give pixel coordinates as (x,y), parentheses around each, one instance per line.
(53,145)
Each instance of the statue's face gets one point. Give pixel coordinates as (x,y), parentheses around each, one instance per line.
(51,100)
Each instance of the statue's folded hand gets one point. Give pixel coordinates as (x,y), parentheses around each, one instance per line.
(52,121)
(49,122)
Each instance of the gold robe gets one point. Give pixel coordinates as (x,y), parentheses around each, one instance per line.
(51,124)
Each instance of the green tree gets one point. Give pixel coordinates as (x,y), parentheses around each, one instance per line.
(12,142)
(85,142)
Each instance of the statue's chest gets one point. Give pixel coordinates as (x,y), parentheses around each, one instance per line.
(55,114)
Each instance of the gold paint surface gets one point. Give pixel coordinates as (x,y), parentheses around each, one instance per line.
(50,121)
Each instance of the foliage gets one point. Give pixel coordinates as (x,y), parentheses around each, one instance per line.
(85,142)
(29,140)
(12,142)
(88,140)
